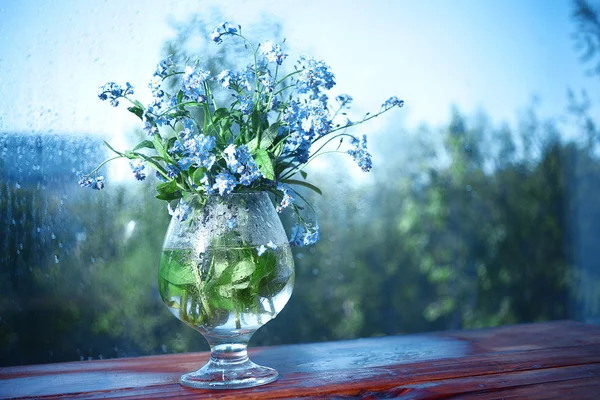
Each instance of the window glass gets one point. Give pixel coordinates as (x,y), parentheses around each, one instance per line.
(481,208)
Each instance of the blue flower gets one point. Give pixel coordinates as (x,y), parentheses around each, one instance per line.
(360,154)
(272,52)
(230,158)
(239,161)
(163,66)
(172,172)
(305,122)
(224,183)
(250,174)
(392,102)
(155,112)
(223,29)
(246,104)
(193,83)
(155,85)
(182,212)
(193,149)
(304,235)
(99,184)
(113,92)
(267,81)
(314,75)
(225,78)
(312,237)
(137,166)
(86,181)
(344,100)
(288,196)
(297,235)
(231,223)
(150,127)
(261,250)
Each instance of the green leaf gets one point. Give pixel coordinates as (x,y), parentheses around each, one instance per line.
(219,114)
(198,175)
(303,183)
(158,145)
(111,148)
(167,187)
(146,144)
(177,273)
(264,164)
(267,263)
(266,139)
(137,111)
(278,149)
(242,271)
(169,196)
(304,174)
(267,280)
(268,136)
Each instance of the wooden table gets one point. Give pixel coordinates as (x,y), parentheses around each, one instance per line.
(544,360)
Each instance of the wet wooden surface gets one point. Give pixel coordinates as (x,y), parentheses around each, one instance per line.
(546,360)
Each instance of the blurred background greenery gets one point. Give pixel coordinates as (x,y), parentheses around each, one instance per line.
(477,225)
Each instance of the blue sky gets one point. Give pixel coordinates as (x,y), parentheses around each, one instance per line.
(479,55)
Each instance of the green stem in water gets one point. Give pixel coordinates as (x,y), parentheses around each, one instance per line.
(238,322)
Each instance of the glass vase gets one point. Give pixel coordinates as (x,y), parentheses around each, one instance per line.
(226,270)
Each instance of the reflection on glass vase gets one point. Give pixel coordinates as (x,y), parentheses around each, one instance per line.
(226,270)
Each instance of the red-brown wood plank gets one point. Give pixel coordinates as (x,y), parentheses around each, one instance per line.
(547,354)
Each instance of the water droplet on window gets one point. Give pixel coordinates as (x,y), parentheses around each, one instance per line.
(56,260)
(53,236)
(469,188)
(18,185)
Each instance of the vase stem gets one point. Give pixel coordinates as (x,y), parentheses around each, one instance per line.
(229,368)
(229,354)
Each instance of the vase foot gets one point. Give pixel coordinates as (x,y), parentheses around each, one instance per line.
(214,376)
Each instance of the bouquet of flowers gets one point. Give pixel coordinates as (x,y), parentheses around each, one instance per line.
(260,138)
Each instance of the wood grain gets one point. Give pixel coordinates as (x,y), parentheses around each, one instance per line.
(558,359)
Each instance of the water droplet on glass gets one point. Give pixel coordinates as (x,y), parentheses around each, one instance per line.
(56,260)
(53,236)
(469,188)
(18,185)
